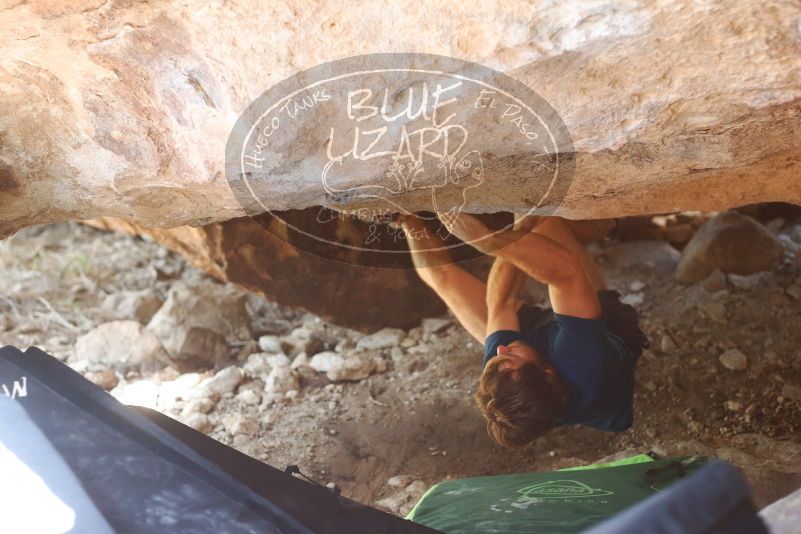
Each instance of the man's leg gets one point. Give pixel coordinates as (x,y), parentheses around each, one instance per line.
(559,230)
(588,231)
(464,294)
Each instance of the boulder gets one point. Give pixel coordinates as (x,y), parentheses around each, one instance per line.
(124,109)
(123,346)
(197,347)
(198,319)
(732,243)
(138,305)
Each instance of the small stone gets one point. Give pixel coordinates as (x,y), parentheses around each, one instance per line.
(434,325)
(716,311)
(237,424)
(225,381)
(322,362)
(733,406)
(292,393)
(383,339)
(409,342)
(774,225)
(795,233)
(357,367)
(270,344)
(650,385)
(397,355)
(633,299)
(302,339)
(278,360)
(649,355)
(734,360)
(269,418)
(791,392)
(400,481)
(200,422)
(105,379)
(300,360)
(794,292)
(137,305)
(667,345)
(637,286)
(200,391)
(249,396)
(715,282)
(241,441)
(747,283)
(257,365)
(281,380)
(197,347)
(197,406)
(123,346)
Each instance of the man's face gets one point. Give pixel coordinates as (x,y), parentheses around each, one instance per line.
(512,356)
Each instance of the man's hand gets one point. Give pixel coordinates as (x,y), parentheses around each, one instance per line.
(527,223)
(475,233)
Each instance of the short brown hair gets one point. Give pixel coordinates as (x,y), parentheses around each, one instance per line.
(519,404)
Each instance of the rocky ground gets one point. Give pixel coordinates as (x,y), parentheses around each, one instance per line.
(384,416)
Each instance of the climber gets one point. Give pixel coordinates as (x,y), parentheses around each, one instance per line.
(572,364)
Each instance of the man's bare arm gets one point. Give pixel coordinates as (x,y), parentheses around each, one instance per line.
(503,291)
(541,258)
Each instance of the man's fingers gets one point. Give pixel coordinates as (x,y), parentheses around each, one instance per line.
(527,223)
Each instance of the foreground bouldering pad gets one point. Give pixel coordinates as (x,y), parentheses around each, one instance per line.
(555,502)
(96,465)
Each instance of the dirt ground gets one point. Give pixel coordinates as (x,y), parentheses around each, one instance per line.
(417,420)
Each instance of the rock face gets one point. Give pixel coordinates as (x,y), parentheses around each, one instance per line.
(124,109)
(243,252)
(729,242)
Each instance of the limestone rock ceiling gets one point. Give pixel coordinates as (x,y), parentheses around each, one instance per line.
(123,110)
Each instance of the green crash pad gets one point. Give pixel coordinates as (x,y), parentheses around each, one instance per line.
(565,501)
